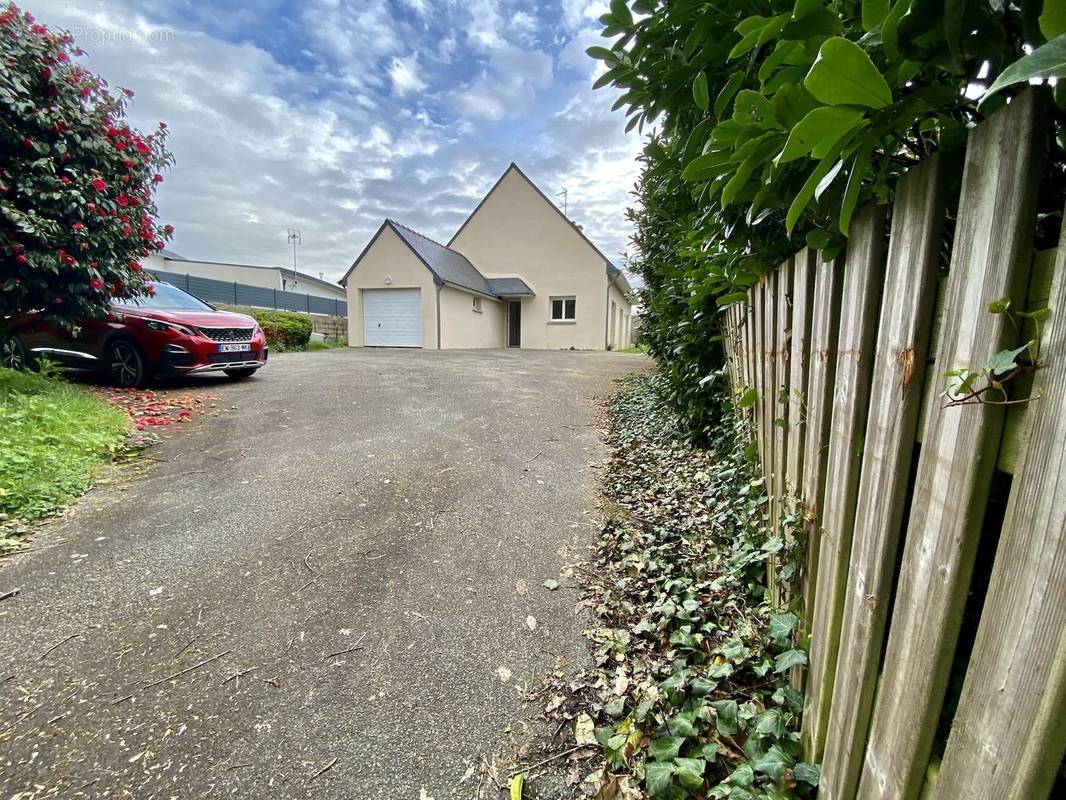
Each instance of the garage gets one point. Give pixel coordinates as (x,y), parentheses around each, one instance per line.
(392,317)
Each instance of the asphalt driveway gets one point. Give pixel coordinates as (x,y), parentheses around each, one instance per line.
(403,506)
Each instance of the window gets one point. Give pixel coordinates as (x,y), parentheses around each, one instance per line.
(563,309)
(477,304)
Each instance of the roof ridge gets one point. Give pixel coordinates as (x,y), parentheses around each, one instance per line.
(419,233)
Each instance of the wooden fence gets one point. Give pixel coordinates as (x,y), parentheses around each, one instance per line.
(848,358)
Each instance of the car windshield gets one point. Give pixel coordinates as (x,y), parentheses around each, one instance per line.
(166,296)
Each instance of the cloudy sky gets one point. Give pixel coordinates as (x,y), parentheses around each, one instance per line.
(330,115)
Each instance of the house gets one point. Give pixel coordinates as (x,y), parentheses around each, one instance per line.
(280,278)
(518,273)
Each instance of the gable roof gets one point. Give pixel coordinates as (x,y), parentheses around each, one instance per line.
(509,287)
(446,265)
(612,270)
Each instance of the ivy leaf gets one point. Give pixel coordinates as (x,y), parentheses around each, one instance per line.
(774,762)
(700,92)
(689,772)
(782,625)
(665,748)
(824,126)
(808,773)
(727,716)
(844,75)
(681,725)
(659,776)
(789,659)
(1047,61)
(770,723)
(1005,360)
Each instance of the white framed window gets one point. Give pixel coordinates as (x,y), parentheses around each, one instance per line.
(477,304)
(563,309)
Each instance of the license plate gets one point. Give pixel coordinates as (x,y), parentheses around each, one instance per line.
(244,347)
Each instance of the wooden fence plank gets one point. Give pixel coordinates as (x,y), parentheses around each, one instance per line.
(759,351)
(895,401)
(860,306)
(769,321)
(824,324)
(783,327)
(798,364)
(1000,181)
(1009,733)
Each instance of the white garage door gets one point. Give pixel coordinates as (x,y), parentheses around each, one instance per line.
(392,317)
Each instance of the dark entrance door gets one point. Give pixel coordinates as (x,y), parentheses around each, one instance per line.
(514,323)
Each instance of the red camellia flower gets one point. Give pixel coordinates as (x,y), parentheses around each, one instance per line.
(122,200)
(126,229)
(96,283)
(150,289)
(142,147)
(22,259)
(99,184)
(157,178)
(136,267)
(65,180)
(77,226)
(27,143)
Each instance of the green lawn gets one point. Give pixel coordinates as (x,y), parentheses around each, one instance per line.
(54,436)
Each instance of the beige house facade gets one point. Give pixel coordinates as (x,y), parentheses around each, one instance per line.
(518,273)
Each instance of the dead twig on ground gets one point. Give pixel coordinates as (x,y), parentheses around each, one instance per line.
(548,760)
(188,644)
(307,563)
(10,593)
(238,675)
(342,652)
(19,718)
(326,768)
(187,670)
(57,645)
(538,454)
(122,700)
(313,580)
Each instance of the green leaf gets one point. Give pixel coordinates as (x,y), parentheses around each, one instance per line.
(726,95)
(751,108)
(806,192)
(665,748)
(659,776)
(774,762)
(1000,306)
(1005,360)
(1053,19)
(748,398)
(817,240)
(789,659)
(621,13)
(732,297)
(707,166)
(1047,61)
(699,91)
(744,45)
(890,28)
(770,723)
(808,773)
(823,125)
(819,21)
(602,54)
(873,13)
(726,713)
(859,165)
(689,772)
(681,725)
(844,75)
(782,625)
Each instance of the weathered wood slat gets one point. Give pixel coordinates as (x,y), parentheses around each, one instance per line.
(1000,181)
(781,389)
(1009,733)
(804,267)
(824,324)
(769,321)
(895,400)
(759,351)
(860,306)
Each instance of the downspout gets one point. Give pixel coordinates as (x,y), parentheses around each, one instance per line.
(439,287)
(607,311)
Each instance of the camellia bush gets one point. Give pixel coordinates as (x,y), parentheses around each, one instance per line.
(77,212)
(770,122)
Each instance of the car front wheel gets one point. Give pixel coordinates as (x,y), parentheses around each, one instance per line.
(126,367)
(241,374)
(13,352)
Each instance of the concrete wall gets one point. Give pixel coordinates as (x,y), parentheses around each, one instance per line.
(618,322)
(389,257)
(517,232)
(464,328)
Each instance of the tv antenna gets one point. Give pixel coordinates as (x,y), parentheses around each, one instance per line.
(295,238)
(563,194)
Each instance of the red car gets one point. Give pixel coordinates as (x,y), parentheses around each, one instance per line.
(168,333)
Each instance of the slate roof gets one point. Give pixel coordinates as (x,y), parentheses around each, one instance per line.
(446,265)
(509,287)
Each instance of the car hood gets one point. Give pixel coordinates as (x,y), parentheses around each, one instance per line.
(196,319)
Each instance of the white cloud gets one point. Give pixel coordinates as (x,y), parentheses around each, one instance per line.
(313,121)
(405,77)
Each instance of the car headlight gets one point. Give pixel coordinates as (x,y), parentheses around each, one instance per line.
(160,325)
